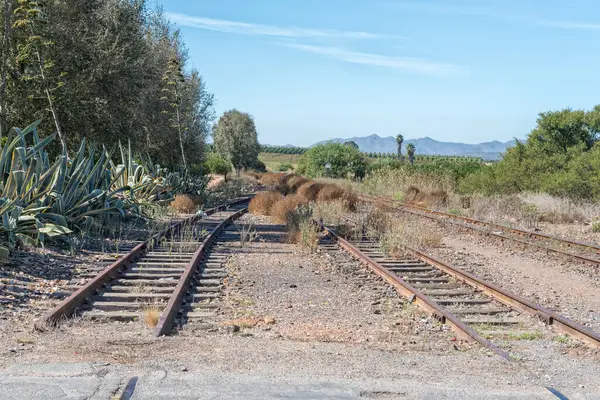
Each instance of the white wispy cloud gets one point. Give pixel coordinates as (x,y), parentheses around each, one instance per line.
(246,28)
(567,24)
(412,65)
(523,19)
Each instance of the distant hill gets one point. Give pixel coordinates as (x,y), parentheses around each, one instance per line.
(428,146)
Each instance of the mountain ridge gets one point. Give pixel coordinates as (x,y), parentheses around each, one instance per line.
(427,146)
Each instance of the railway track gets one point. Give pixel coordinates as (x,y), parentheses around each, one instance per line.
(475,310)
(581,252)
(171,273)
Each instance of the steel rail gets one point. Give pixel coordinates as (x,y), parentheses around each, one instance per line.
(511,300)
(415,295)
(66,307)
(431,214)
(165,323)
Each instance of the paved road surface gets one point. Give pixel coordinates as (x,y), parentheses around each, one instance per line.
(102,381)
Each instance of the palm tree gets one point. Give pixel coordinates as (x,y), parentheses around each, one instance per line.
(399,140)
(410,150)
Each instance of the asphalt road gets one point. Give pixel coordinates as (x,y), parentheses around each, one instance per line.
(103,381)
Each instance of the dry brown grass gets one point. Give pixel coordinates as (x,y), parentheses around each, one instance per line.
(404,232)
(262,203)
(330,212)
(151,315)
(332,192)
(310,190)
(183,204)
(307,236)
(285,206)
(272,179)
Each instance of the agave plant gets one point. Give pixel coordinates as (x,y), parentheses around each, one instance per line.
(41,199)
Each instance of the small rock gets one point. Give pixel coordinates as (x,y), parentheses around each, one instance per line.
(184,369)
(293,286)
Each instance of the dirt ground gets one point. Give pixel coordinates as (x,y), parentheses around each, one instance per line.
(284,312)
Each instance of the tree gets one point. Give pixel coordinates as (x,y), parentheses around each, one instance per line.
(351,144)
(235,139)
(399,140)
(559,130)
(33,55)
(217,165)
(410,150)
(333,160)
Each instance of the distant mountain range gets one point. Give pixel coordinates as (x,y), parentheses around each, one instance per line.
(428,146)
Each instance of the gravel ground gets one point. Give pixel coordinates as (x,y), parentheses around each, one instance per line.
(288,315)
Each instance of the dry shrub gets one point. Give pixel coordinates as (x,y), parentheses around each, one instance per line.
(412,194)
(272,179)
(335,192)
(427,198)
(310,190)
(183,204)
(151,315)
(295,182)
(262,203)
(282,209)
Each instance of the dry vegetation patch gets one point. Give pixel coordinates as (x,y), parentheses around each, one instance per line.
(263,202)
(184,204)
(272,178)
(334,192)
(310,190)
(283,208)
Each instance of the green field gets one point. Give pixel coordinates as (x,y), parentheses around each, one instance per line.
(273,161)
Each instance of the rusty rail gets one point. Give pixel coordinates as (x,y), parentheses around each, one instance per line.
(66,307)
(454,219)
(512,300)
(165,323)
(415,295)
(509,299)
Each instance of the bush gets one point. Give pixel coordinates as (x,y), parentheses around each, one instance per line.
(183,204)
(341,160)
(262,203)
(272,179)
(310,190)
(284,167)
(281,211)
(295,182)
(332,192)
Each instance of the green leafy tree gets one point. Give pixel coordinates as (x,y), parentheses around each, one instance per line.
(333,160)
(235,139)
(33,56)
(217,165)
(351,144)
(410,151)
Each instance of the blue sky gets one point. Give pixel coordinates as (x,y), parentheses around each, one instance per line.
(464,70)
